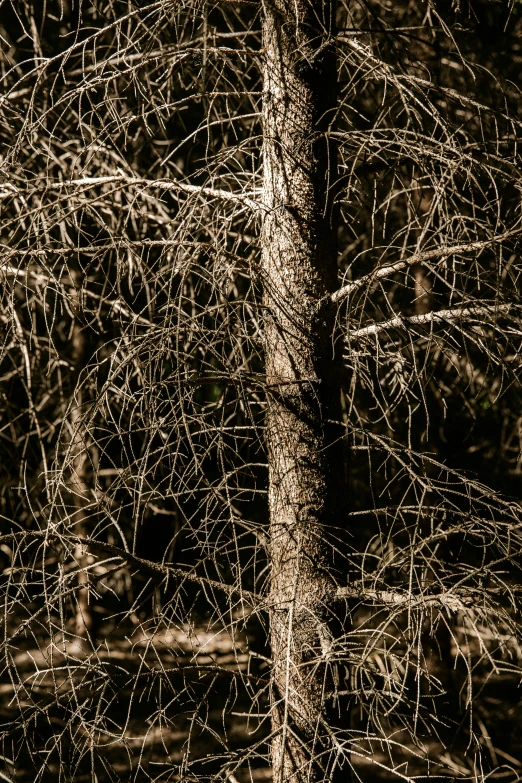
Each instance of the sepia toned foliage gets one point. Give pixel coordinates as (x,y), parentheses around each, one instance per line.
(260,453)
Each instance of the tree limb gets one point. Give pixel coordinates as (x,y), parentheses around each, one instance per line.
(455,600)
(139,562)
(436,317)
(339,296)
(164,184)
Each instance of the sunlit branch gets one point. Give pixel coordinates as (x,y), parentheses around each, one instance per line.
(428,319)
(439,254)
(85,183)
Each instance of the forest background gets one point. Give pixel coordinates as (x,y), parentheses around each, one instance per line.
(152,289)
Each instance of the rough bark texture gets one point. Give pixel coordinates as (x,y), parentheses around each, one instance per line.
(306,477)
(422,205)
(79,486)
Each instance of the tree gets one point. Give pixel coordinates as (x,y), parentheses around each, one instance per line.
(262,312)
(299,262)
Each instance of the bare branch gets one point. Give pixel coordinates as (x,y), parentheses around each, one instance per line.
(456,600)
(432,318)
(165,569)
(439,254)
(85,183)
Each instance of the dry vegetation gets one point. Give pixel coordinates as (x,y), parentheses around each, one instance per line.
(135,561)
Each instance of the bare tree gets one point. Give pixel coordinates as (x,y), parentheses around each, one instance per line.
(306,489)
(261,386)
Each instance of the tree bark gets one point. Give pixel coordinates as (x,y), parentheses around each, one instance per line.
(79,485)
(422,204)
(305,453)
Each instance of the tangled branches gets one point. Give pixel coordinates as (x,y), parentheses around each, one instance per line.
(137,551)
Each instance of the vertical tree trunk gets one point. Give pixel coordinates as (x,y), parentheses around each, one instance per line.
(423,298)
(80,489)
(306,477)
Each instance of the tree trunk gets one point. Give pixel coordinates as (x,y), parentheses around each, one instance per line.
(79,486)
(422,204)
(306,474)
